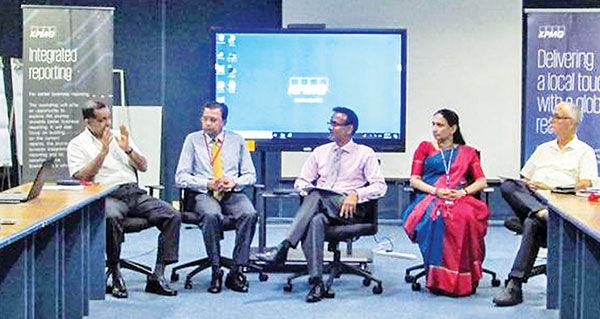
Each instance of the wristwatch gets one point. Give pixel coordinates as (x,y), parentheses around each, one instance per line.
(129,151)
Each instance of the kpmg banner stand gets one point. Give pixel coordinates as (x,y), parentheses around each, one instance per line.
(563,64)
(68,60)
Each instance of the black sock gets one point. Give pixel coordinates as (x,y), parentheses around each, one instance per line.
(514,283)
(285,245)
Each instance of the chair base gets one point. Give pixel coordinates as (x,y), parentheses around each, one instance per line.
(204,263)
(335,269)
(135,266)
(416,286)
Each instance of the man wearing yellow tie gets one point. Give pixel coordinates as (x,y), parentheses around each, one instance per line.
(214,167)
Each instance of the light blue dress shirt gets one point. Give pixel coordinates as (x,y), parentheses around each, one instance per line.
(194,170)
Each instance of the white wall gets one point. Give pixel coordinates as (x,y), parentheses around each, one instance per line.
(145,128)
(465,55)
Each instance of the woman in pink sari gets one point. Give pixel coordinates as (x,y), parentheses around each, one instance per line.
(447,222)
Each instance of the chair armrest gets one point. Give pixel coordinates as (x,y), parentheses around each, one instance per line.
(408,189)
(488,190)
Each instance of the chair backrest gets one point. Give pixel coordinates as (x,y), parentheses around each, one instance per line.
(366,228)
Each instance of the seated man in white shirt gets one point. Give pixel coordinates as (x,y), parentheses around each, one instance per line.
(111,158)
(563,162)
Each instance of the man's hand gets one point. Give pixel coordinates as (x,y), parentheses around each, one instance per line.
(349,205)
(213,184)
(106,139)
(226,184)
(124,139)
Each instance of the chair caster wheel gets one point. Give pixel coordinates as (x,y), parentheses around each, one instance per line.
(378,289)
(174,277)
(263,277)
(187,285)
(366,282)
(408,279)
(364,266)
(495,282)
(415,286)
(287,287)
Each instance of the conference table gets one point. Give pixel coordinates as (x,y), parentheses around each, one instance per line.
(52,258)
(573,266)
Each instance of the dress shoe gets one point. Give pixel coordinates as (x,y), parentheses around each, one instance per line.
(514,224)
(274,255)
(317,292)
(509,296)
(158,285)
(216,282)
(236,281)
(116,286)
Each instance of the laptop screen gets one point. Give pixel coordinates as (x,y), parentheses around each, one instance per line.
(38,182)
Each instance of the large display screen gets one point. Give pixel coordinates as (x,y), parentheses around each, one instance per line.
(281,85)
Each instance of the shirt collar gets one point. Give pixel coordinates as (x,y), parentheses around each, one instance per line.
(347,148)
(570,145)
(220,137)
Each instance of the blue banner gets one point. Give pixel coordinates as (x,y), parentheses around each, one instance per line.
(562,50)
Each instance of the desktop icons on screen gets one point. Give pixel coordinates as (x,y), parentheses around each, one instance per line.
(281,85)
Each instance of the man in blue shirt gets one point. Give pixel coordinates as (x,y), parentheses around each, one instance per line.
(214,167)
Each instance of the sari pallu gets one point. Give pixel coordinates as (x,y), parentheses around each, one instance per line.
(450,235)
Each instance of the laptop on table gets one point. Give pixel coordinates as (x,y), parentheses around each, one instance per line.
(36,188)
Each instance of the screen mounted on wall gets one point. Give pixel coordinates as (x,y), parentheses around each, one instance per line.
(281,85)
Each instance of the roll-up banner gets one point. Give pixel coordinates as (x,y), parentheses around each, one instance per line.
(5,151)
(67,60)
(563,64)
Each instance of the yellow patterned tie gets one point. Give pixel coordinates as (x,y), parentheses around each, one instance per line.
(217,166)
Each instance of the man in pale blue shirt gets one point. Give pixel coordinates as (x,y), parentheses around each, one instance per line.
(214,167)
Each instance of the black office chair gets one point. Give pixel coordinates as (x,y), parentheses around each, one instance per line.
(136,225)
(413,279)
(336,234)
(186,205)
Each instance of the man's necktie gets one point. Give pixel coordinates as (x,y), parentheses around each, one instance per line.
(217,166)
(334,168)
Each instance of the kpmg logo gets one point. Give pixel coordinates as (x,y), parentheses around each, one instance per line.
(551,32)
(42,32)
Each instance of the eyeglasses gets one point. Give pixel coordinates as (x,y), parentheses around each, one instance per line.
(334,124)
(557,117)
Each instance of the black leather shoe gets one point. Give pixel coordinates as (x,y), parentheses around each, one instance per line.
(509,297)
(116,286)
(274,255)
(236,281)
(159,286)
(514,224)
(216,282)
(316,293)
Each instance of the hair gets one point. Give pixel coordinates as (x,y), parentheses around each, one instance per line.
(89,108)
(351,118)
(452,119)
(216,105)
(574,111)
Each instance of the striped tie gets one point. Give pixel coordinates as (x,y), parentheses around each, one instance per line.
(334,168)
